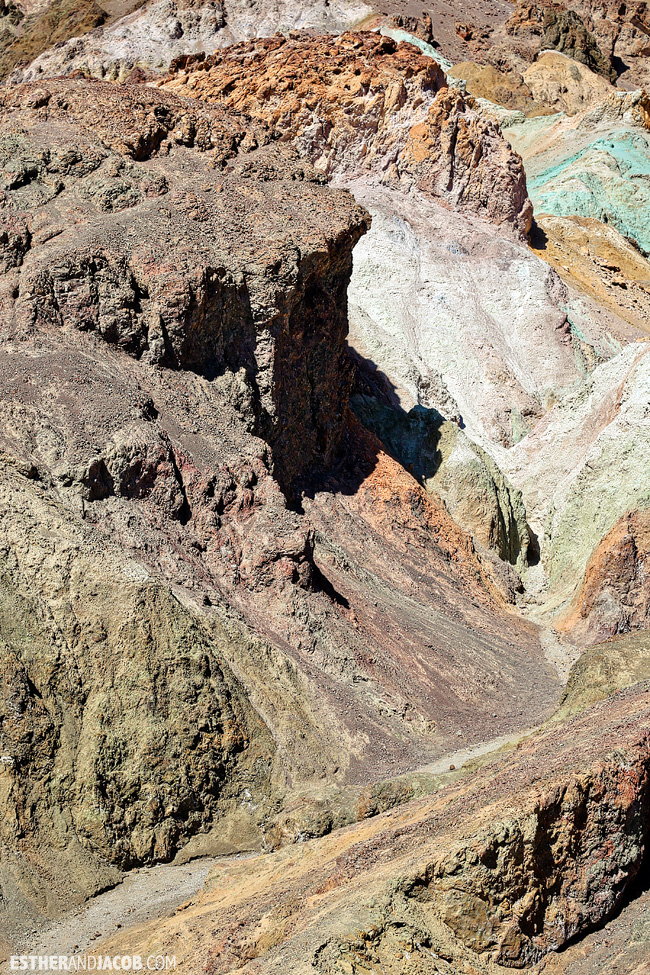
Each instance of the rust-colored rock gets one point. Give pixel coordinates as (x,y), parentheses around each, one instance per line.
(615,594)
(499,869)
(360,105)
(191,516)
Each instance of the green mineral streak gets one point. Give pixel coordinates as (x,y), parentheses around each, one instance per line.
(607,179)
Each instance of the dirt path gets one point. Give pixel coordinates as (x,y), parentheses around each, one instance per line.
(464,755)
(144,894)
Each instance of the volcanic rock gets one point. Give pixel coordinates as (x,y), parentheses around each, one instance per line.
(360,105)
(155,33)
(214,580)
(564,31)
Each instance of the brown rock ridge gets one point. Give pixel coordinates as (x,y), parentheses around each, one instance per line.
(183,309)
(499,869)
(615,593)
(172,370)
(359,105)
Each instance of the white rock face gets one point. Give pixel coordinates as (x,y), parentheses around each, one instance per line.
(458,317)
(474,325)
(156,33)
(585,465)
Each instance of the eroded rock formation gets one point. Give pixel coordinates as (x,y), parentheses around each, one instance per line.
(235,614)
(360,105)
(496,870)
(174,374)
(140,39)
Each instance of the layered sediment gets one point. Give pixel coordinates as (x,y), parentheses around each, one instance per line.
(289,476)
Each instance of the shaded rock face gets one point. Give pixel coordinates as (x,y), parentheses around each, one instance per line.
(564,31)
(122,722)
(362,106)
(623,34)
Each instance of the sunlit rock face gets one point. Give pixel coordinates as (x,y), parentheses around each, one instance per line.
(149,37)
(431,304)
(317,474)
(593,164)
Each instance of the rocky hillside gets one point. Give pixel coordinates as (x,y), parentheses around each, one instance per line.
(323,466)
(493,870)
(181,465)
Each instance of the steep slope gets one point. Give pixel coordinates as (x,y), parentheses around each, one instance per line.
(460,321)
(495,871)
(206,561)
(234,612)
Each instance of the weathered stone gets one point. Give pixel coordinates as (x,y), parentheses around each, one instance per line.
(361,106)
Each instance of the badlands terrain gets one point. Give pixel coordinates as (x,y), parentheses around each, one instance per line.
(324,485)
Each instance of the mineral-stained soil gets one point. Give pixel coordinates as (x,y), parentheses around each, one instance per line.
(316,472)
(217,586)
(28,29)
(595,258)
(142,43)
(594,164)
